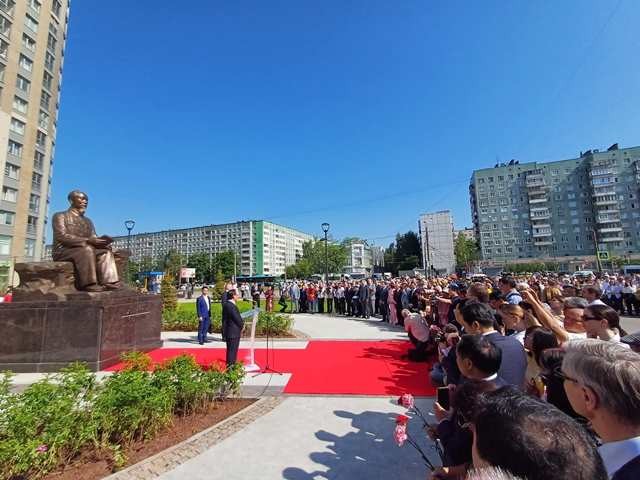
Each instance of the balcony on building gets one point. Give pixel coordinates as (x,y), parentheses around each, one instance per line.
(610,200)
(609,217)
(535,180)
(537,199)
(603,190)
(542,233)
(610,229)
(600,171)
(539,213)
(539,242)
(542,224)
(613,238)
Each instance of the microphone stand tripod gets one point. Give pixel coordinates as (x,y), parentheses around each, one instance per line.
(267,368)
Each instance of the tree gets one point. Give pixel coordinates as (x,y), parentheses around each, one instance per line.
(171,264)
(224,262)
(301,269)
(218,288)
(404,254)
(169,294)
(314,252)
(466,251)
(201,262)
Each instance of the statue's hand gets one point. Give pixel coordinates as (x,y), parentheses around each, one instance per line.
(97,242)
(106,238)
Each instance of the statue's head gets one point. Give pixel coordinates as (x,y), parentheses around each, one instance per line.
(78,200)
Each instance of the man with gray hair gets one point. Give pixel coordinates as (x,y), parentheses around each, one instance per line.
(602,382)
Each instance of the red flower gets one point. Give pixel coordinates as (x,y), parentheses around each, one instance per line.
(402,420)
(406,401)
(400,433)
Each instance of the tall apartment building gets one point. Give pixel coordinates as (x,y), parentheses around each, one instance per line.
(362,258)
(32,41)
(262,248)
(436,238)
(559,209)
(468,233)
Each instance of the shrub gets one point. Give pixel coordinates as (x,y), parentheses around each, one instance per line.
(52,420)
(131,407)
(47,424)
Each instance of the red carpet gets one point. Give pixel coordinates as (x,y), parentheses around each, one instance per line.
(333,367)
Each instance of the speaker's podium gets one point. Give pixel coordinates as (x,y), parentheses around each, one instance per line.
(252,366)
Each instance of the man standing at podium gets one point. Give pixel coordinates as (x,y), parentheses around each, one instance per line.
(232,326)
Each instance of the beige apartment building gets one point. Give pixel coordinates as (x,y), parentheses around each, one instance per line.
(33,34)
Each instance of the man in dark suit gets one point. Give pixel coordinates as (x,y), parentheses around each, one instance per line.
(232,326)
(479,359)
(478,318)
(203,308)
(363,298)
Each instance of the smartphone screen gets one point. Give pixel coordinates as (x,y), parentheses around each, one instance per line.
(443,397)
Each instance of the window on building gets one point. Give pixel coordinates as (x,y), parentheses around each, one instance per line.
(15,148)
(23,84)
(44,100)
(4,49)
(38,160)
(9,194)
(20,105)
(5,27)
(29,247)
(26,63)
(12,171)
(31,23)
(28,42)
(43,120)
(35,4)
(47,81)
(56,6)
(2,68)
(51,43)
(49,61)
(34,203)
(41,139)
(7,218)
(36,181)
(32,223)
(5,244)
(16,126)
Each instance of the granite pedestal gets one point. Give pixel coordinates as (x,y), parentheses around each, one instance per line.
(44,335)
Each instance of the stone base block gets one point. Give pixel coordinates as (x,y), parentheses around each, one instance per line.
(95,328)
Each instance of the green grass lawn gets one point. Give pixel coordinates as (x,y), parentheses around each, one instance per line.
(216,307)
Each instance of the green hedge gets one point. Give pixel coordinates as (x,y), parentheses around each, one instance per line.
(52,421)
(184,319)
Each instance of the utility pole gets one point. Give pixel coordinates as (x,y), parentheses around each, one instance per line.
(595,239)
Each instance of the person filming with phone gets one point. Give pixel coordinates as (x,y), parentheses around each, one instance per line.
(479,362)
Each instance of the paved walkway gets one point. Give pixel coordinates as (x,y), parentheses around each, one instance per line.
(307,438)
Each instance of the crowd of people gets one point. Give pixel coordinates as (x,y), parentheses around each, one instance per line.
(544,383)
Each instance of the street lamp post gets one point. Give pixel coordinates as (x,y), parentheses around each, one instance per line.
(325,229)
(129,224)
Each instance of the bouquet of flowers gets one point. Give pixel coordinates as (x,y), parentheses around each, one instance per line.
(408,402)
(401,435)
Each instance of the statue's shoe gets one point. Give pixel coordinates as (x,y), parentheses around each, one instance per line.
(94,288)
(113,286)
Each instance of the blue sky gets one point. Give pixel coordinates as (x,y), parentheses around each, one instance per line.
(363,114)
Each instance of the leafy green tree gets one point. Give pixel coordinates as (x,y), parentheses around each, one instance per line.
(466,251)
(302,269)
(169,294)
(201,262)
(224,262)
(218,288)
(404,254)
(171,263)
(313,252)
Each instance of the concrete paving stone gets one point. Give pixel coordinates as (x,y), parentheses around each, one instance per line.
(316,437)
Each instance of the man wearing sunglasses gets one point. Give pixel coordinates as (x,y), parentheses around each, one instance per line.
(602,381)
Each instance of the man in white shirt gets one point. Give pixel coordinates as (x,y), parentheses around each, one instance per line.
(602,382)
(418,331)
(592,294)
